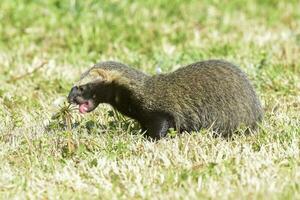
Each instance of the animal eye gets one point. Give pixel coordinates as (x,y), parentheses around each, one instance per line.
(80,88)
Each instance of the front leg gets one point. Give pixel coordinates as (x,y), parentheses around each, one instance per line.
(156,127)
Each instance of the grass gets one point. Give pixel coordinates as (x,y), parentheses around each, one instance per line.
(102,155)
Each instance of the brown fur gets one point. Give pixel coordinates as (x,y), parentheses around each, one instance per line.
(209,94)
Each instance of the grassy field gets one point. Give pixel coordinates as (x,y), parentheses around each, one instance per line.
(44,47)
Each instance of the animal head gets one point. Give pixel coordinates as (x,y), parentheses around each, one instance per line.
(93,88)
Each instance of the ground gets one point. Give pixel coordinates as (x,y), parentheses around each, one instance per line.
(49,151)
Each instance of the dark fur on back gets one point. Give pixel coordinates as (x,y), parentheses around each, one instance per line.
(206,94)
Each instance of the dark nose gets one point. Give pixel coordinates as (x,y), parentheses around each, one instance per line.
(74,89)
(72,94)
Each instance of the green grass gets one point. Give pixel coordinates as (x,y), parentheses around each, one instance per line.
(102,155)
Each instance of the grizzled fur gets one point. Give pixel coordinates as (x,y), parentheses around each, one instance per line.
(211,94)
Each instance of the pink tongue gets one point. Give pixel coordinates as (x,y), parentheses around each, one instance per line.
(83,108)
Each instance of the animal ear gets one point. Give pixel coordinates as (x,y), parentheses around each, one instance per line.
(92,75)
(99,74)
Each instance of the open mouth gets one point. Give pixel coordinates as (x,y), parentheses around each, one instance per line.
(85,107)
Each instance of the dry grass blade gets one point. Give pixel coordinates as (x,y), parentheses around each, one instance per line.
(66,115)
(14,79)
